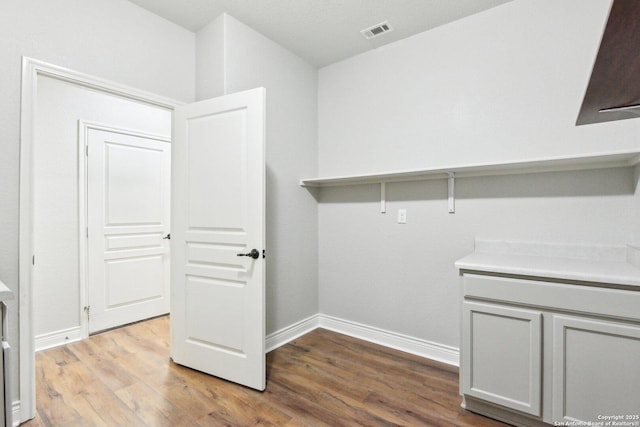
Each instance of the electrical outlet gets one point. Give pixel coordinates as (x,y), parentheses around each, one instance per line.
(402,216)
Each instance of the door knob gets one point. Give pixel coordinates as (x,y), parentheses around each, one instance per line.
(253,254)
(167,237)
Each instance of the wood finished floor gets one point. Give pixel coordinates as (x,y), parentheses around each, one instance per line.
(124,377)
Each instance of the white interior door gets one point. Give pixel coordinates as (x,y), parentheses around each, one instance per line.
(218,212)
(128,193)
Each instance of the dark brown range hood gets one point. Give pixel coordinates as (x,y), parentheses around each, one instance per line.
(613,92)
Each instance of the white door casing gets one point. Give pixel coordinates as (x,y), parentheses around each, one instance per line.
(32,71)
(128,208)
(218,212)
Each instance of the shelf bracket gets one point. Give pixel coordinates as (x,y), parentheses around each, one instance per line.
(451,182)
(383,197)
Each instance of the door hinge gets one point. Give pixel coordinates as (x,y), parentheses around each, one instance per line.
(87,231)
(87,309)
(86,150)
(33,260)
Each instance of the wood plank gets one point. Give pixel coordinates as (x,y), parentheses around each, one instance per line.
(76,395)
(53,409)
(125,377)
(151,407)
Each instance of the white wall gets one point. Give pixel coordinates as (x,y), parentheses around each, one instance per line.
(210,56)
(60,105)
(506,84)
(113,39)
(251,60)
(401,278)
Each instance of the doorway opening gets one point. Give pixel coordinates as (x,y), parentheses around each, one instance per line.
(218,214)
(40,78)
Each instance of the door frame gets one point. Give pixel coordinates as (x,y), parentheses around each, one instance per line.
(31,70)
(84,127)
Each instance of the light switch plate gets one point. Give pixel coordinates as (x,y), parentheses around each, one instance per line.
(402,216)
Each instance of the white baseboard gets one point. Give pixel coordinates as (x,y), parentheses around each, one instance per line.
(15,409)
(57,338)
(417,346)
(291,332)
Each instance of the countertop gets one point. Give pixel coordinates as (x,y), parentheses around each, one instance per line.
(599,264)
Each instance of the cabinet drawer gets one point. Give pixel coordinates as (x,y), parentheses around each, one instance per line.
(578,298)
(501,355)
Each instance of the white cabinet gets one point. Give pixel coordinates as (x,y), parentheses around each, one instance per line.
(536,351)
(596,369)
(503,348)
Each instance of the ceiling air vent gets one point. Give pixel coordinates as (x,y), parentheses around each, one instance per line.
(376,30)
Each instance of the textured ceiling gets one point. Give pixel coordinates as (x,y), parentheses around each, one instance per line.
(322,31)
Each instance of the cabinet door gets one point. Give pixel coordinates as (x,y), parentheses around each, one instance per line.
(596,369)
(501,355)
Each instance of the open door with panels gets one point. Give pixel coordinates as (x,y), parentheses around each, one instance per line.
(218,237)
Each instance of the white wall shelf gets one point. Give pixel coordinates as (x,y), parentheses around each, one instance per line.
(554,164)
